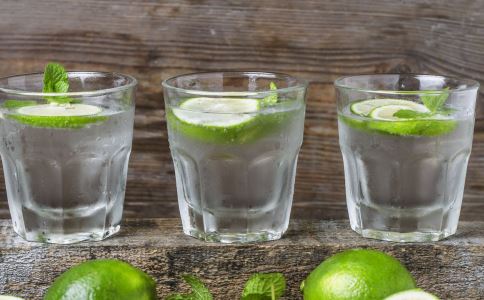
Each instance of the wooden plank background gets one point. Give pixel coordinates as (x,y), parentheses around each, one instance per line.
(316,40)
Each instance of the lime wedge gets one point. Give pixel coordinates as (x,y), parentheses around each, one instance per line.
(223,120)
(414,294)
(386,112)
(363,108)
(58,116)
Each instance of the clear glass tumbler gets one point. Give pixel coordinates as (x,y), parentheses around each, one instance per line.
(65,156)
(406,141)
(235,138)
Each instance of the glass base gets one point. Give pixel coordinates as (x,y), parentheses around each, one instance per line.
(61,238)
(403,237)
(230,238)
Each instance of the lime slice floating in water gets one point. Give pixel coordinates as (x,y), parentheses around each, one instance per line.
(217,112)
(58,116)
(364,108)
(386,112)
(379,116)
(414,294)
(222,120)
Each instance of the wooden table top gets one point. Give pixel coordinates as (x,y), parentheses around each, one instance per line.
(452,268)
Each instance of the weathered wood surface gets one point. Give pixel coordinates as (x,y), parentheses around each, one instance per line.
(316,40)
(452,269)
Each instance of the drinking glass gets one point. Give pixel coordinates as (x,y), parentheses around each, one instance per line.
(65,155)
(235,138)
(406,141)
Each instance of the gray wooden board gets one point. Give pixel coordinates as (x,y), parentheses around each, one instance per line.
(452,269)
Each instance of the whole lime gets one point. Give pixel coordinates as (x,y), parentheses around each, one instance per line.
(357,274)
(102,280)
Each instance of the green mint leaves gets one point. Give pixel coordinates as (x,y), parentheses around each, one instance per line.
(435,102)
(260,286)
(56,80)
(272,98)
(268,286)
(199,290)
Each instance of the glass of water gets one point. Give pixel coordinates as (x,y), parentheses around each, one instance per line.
(235,138)
(406,141)
(65,165)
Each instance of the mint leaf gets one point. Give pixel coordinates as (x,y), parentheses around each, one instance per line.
(264,286)
(411,114)
(55,79)
(272,98)
(435,102)
(199,290)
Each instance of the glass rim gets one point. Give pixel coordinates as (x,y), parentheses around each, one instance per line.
(132,82)
(471,84)
(300,84)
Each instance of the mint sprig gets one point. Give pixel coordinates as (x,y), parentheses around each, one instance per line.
(260,286)
(56,80)
(433,102)
(272,98)
(264,286)
(199,290)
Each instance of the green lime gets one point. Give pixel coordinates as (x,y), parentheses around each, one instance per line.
(415,294)
(102,280)
(357,274)
(223,120)
(379,115)
(58,115)
(364,107)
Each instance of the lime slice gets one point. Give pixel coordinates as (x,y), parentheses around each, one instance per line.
(363,108)
(377,115)
(223,120)
(68,110)
(217,112)
(414,294)
(58,116)
(11,104)
(386,112)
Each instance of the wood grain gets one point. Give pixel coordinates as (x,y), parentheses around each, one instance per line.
(316,40)
(452,269)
